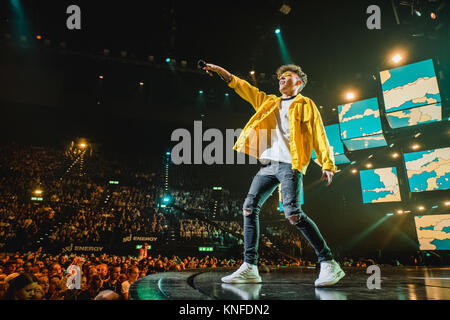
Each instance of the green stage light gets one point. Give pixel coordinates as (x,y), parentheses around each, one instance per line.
(283,49)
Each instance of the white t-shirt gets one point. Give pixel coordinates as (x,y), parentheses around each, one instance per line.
(279,149)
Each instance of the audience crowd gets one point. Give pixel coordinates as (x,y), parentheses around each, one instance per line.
(81,205)
(40,276)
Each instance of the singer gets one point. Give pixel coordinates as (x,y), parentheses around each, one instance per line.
(296,129)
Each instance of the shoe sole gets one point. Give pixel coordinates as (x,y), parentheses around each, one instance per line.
(340,275)
(242,281)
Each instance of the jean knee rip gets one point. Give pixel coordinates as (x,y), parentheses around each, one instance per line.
(294,219)
(248,206)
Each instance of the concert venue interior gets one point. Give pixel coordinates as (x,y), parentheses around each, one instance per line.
(90,98)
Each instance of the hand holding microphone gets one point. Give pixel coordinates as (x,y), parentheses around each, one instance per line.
(204,66)
(208,67)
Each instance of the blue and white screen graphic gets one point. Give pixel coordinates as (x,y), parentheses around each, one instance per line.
(428,170)
(433,231)
(415,116)
(411,95)
(360,125)
(380,185)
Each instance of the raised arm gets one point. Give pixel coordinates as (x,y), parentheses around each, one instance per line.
(224,74)
(244,89)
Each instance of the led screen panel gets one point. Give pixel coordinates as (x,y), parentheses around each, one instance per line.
(410,86)
(360,125)
(415,116)
(360,119)
(365,142)
(380,185)
(428,170)
(433,231)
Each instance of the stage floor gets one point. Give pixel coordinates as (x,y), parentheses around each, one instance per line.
(296,283)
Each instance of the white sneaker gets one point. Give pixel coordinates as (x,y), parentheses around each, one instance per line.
(330,273)
(247,273)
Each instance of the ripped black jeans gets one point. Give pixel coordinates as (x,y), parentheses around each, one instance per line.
(263,185)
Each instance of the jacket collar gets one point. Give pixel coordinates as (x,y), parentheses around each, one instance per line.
(299,97)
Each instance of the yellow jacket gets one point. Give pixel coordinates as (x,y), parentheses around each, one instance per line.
(305,124)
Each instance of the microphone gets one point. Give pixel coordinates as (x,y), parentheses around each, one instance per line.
(201,64)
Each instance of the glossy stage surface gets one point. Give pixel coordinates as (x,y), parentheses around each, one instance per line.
(297,283)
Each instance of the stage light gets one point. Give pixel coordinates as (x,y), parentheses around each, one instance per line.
(397,58)
(38,191)
(39,37)
(350,95)
(434,207)
(447,203)
(389,214)
(418,13)
(167,60)
(252,73)
(421,208)
(433,16)
(415,146)
(285,9)
(399,211)
(141,84)
(354,171)
(100,77)
(285,55)
(391,145)
(82,145)
(395,155)
(200,91)
(227,94)
(369,165)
